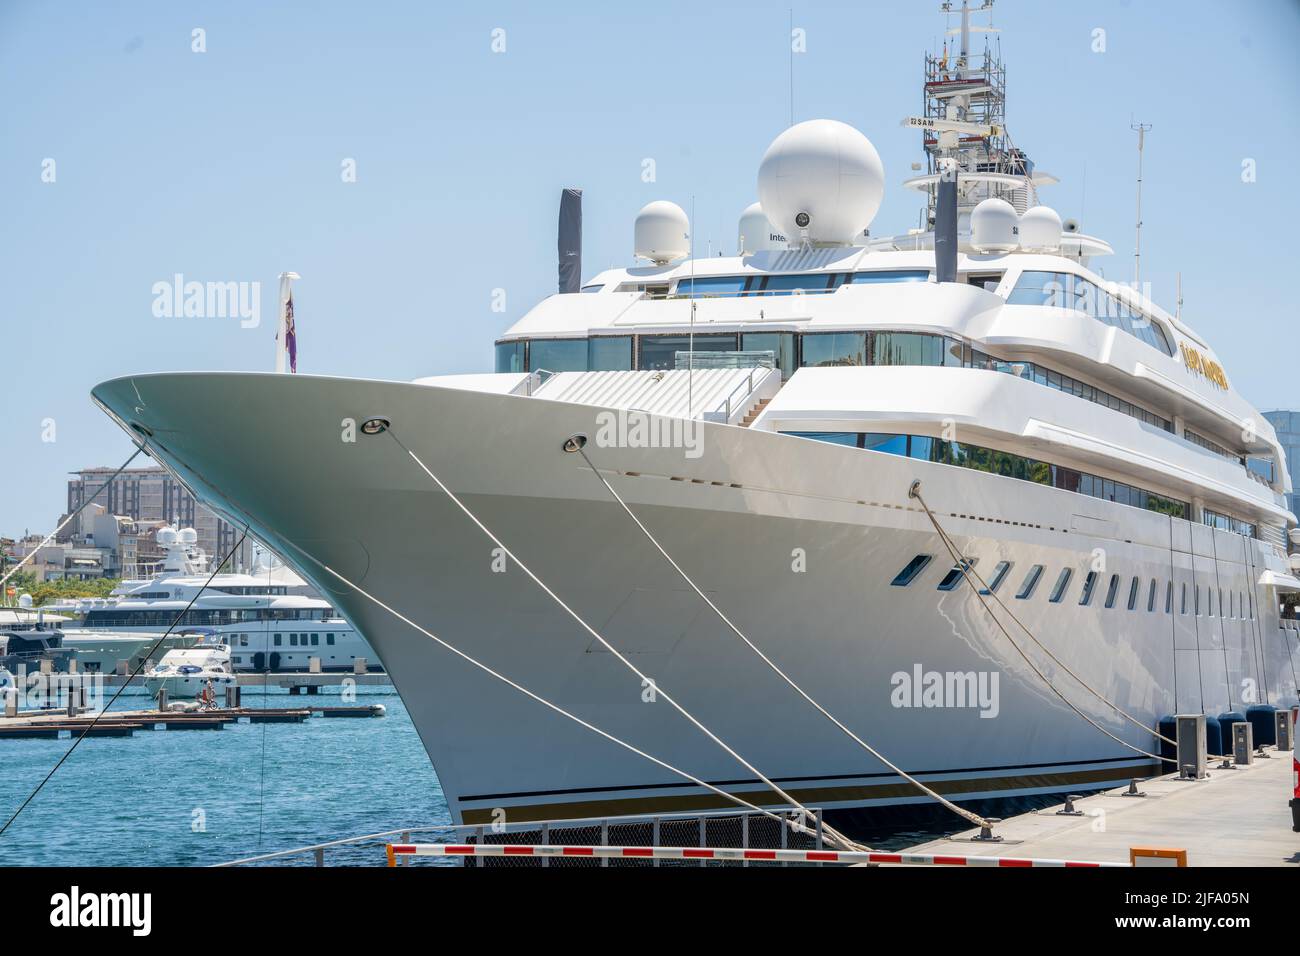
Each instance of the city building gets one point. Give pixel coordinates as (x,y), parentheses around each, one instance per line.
(1287,424)
(123,516)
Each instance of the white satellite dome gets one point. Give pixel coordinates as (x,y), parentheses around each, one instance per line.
(24,600)
(756,234)
(1040,229)
(994,226)
(821,179)
(187,536)
(662,232)
(166,536)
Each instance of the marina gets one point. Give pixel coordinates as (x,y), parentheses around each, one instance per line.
(847,491)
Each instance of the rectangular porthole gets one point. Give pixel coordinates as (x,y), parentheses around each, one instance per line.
(1133,593)
(1209,602)
(999,575)
(1031,582)
(1089,586)
(1058,590)
(1151,596)
(954,576)
(909,573)
(1112,591)
(1184,604)
(1169,597)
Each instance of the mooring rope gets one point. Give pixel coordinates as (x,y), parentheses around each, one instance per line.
(125,684)
(491,672)
(69,519)
(972,576)
(776,669)
(645,679)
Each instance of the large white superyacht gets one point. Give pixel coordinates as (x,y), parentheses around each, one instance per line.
(766,418)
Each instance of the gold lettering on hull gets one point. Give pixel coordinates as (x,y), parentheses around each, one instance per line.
(1205,367)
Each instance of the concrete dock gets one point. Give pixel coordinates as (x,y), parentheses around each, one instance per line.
(1233,818)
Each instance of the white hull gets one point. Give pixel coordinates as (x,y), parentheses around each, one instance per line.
(188,686)
(734,520)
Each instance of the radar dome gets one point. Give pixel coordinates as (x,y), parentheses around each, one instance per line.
(166,536)
(756,233)
(24,600)
(1040,229)
(187,536)
(994,226)
(662,232)
(821,179)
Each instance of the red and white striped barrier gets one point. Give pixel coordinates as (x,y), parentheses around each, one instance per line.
(713,853)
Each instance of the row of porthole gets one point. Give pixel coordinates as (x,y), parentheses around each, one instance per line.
(1236,603)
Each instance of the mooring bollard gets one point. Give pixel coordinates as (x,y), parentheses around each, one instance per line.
(1243,743)
(1283,733)
(123,668)
(1191,746)
(313,665)
(162,699)
(11,702)
(359,665)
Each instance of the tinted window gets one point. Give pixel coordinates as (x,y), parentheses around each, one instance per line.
(785,285)
(822,349)
(1133,594)
(510,357)
(701,286)
(1089,586)
(1112,591)
(910,348)
(557,355)
(999,575)
(659,351)
(913,568)
(781,344)
(1031,582)
(893,275)
(954,575)
(609,353)
(1062,582)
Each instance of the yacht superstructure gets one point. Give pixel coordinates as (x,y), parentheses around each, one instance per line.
(765,417)
(271,618)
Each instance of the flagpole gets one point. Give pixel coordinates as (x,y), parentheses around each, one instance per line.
(286,293)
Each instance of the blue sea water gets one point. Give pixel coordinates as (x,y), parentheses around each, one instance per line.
(197,797)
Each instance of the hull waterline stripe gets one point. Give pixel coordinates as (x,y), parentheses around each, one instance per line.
(690,802)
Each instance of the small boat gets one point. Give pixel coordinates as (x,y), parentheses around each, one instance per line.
(190,671)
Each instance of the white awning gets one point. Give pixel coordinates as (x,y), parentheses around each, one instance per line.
(1283,582)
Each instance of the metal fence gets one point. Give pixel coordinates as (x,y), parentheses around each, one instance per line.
(716,829)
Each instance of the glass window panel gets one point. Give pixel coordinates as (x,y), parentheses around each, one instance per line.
(835,438)
(998,576)
(824,349)
(557,355)
(510,357)
(609,353)
(1112,591)
(659,351)
(896,275)
(1058,589)
(780,343)
(889,444)
(1089,586)
(786,285)
(911,570)
(907,348)
(1031,582)
(704,286)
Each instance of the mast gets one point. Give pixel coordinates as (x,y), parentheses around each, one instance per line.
(1141,129)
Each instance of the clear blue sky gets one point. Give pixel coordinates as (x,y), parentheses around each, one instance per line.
(225,166)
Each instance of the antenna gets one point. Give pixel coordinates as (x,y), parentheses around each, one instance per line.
(1178,308)
(1141,130)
